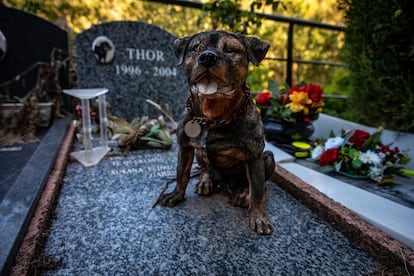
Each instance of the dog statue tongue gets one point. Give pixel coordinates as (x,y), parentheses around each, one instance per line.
(207,87)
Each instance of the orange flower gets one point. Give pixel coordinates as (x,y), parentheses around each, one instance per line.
(298,103)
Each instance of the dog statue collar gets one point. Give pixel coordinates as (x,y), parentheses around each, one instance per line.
(198,122)
(192,129)
(196,133)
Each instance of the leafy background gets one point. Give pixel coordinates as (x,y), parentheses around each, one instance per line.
(377,46)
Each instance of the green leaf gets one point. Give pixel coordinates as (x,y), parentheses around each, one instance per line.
(302,83)
(347,136)
(397,13)
(371,142)
(273,86)
(356,163)
(353,153)
(275,5)
(404,160)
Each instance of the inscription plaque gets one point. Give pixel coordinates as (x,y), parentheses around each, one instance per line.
(143,67)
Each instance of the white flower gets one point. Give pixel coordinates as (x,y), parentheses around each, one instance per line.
(316,152)
(333,142)
(370,157)
(381,155)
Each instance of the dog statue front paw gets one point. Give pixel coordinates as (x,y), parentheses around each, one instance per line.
(260,223)
(205,186)
(171,199)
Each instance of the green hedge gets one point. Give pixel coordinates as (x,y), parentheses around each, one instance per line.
(379,49)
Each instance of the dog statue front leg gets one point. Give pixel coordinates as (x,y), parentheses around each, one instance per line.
(185,161)
(258,220)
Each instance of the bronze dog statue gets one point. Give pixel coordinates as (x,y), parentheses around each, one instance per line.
(221,125)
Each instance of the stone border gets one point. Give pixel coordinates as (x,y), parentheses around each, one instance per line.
(35,238)
(395,256)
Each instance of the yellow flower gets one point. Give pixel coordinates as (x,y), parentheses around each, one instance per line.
(298,103)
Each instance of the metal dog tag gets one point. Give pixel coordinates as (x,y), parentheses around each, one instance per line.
(192,129)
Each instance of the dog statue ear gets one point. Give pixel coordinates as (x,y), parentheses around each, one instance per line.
(256,49)
(180,47)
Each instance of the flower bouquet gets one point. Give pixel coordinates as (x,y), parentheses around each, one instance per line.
(297,104)
(359,154)
(287,113)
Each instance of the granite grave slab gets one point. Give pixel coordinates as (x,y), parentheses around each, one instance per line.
(23,181)
(16,157)
(136,62)
(105,224)
(400,191)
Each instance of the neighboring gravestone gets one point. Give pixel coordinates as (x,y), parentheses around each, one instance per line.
(135,61)
(26,39)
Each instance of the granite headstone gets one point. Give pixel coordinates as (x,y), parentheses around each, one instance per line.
(136,62)
(26,39)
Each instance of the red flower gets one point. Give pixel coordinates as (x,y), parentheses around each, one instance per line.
(307,120)
(396,150)
(79,110)
(264,98)
(358,138)
(329,157)
(296,104)
(314,92)
(297,88)
(384,148)
(284,98)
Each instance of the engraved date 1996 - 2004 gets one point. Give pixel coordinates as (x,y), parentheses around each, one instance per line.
(155,71)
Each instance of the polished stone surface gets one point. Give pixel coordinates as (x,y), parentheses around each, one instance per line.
(401,190)
(25,181)
(13,159)
(105,224)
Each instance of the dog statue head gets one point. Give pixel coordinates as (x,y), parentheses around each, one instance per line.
(208,57)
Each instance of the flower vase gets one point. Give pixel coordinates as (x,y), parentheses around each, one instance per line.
(284,132)
(9,114)
(354,176)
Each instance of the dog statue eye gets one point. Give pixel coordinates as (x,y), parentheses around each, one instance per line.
(229,50)
(194,48)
